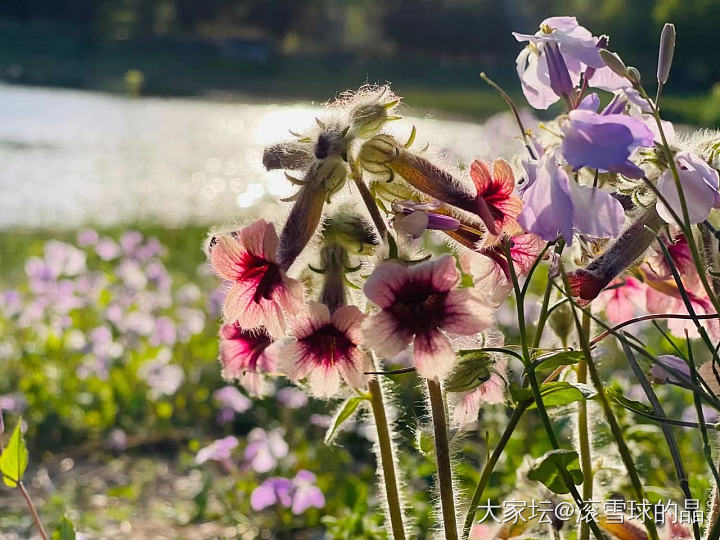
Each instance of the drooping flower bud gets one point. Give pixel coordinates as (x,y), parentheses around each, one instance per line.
(291,156)
(587,283)
(614,62)
(322,180)
(665,54)
(384,155)
(560,81)
(634,75)
(332,141)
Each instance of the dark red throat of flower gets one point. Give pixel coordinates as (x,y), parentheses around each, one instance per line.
(271,278)
(328,344)
(418,309)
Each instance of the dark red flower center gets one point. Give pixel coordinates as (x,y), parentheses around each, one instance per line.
(328,345)
(266,273)
(418,307)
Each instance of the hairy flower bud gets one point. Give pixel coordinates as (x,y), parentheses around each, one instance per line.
(332,141)
(665,54)
(634,75)
(334,263)
(349,230)
(383,154)
(322,180)
(369,118)
(291,156)
(614,62)
(587,283)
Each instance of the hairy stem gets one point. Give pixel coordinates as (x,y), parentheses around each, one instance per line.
(584,438)
(490,465)
(387,459)
(442,453)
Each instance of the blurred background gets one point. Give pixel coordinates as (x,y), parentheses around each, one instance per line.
(127,127)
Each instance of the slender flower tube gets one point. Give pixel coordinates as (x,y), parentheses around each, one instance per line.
(291,156)
(383,154)
(557,70)
(587,283)
(321,181)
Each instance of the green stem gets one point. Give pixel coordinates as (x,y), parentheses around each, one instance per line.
(584,439)
(387,459)
(544,314)
(490,465)
(442,454)
(537,395)
(583,329)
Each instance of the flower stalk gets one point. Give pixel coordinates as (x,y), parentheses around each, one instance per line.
(442,455)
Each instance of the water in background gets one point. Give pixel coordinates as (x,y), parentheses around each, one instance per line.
(72,157)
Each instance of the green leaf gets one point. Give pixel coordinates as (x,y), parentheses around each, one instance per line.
(344,413)
(473,369)
(562,358)
(424,442)
(556,393)
(633,405)
(65,531)
(14,458)
(547,470)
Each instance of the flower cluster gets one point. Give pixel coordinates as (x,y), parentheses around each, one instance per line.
(389,253)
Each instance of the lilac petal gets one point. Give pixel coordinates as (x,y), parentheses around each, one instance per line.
(547,204)
(595,212)
(699,196)
(606,79)
(673,362)
(604,142)
(307,496)
(535,79)
(591,102)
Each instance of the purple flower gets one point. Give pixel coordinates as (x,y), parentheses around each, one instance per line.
(301,493)
(87,237)
(414,218)
(699,183)
(107,249)
(162,377)
(604,141)
(129,241)
(13,402)
(676,365)
(307,494)
(291,397)
(231,398)
(117,440)
(265,449)
(272,491)
(164,332)
(554,205)
(219,450)
(579,51)
(560,82)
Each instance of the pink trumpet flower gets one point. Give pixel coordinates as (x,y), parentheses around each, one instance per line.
(260,291)
(419,304)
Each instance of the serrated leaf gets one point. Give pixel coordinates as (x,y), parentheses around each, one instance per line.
(562,358)
(556,393)
(473,369)
(65,531)
(346,410)
(14,459)
(546,470)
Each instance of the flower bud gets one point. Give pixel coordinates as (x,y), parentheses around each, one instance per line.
(367,119)
(377,153)
(665,54)
(330,175)
(614,62)
(290,156)
(560,81)
(332,141)
(349,230)
(634,75)
(334,262)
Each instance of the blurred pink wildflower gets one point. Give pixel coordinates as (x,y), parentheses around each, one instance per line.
(245,356)
(264,449)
